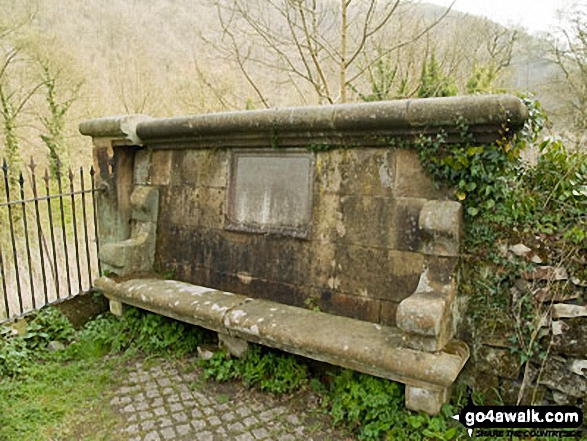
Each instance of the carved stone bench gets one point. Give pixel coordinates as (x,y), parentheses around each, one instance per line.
(354,344)
(294,207)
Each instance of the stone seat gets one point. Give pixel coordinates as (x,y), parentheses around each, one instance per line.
(354,344)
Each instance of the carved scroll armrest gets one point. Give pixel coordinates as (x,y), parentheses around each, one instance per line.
(426,317)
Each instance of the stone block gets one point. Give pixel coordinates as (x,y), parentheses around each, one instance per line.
(359,308)
(411,181)
(201,168)
(374,230)
(406,228)
(426,314)
(322,270)
(377,273)
(210,212)
(142,167)
(557,376)
(161,167)
(117,308)
(441,224)
(499,362)
(388,313)
(327,223)
(145,203)
(329,168)
(233,345)
(369,172)
(573,342)
(426,400)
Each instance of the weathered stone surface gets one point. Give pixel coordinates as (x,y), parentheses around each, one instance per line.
(388,313)
(549,273)
(271,192)
(572,341)
(55,346)
(117,308)
(114,127)
(441,224)
(578,367)
(369,172)
(556,376)
(142,167)
(354,344)
(161,167)
(137,253)
(356,231)
(359,308)
(498,362)
(411,181)
(234,346)
(428,313)
(425,400)
(340,124)
(563,310)
(378,273)
(202,168)
(406,229)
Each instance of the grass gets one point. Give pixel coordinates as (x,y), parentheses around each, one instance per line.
(57,400)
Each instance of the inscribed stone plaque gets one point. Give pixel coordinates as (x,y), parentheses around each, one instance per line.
(271,192)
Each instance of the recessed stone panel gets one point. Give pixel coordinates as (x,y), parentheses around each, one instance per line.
(271,192)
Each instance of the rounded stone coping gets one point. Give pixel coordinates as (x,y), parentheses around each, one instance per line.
(484,114)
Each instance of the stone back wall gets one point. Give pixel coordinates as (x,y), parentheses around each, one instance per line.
(363,254)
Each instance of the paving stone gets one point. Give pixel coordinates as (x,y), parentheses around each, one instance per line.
(214,421)
(198,425)
(180,417)
(260,433)
(158,404)
(205,436)
(250,421)
(168,433)
(148,425)
(236,427)
(145,415)
(176,407)
(183,429)
(152,436)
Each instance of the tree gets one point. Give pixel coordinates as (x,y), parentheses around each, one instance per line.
(55,121)
(569,48)
(312,45)
(433,82)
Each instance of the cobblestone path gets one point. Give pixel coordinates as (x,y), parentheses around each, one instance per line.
(163,403)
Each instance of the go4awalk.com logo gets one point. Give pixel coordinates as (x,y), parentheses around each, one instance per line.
(522,421)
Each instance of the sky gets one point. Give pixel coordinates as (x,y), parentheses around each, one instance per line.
(534,15)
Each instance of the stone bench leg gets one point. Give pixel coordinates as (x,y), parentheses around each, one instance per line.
(117,308)
(426,400)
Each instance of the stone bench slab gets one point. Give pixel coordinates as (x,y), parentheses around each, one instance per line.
(354,344)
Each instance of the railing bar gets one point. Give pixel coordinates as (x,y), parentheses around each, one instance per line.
(40,236)
(43,198)
(85,218)
(75,235)
(30,311)
(4,290)
(27,242)
(55,266)
(63,229)
(13,240)
(92,173)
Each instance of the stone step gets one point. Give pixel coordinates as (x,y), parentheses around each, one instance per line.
(342,341)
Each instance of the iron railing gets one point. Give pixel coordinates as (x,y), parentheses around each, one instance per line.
(48,238)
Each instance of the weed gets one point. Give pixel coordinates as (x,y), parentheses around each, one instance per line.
(270,370)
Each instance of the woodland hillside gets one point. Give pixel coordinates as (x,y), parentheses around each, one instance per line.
(66,61)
